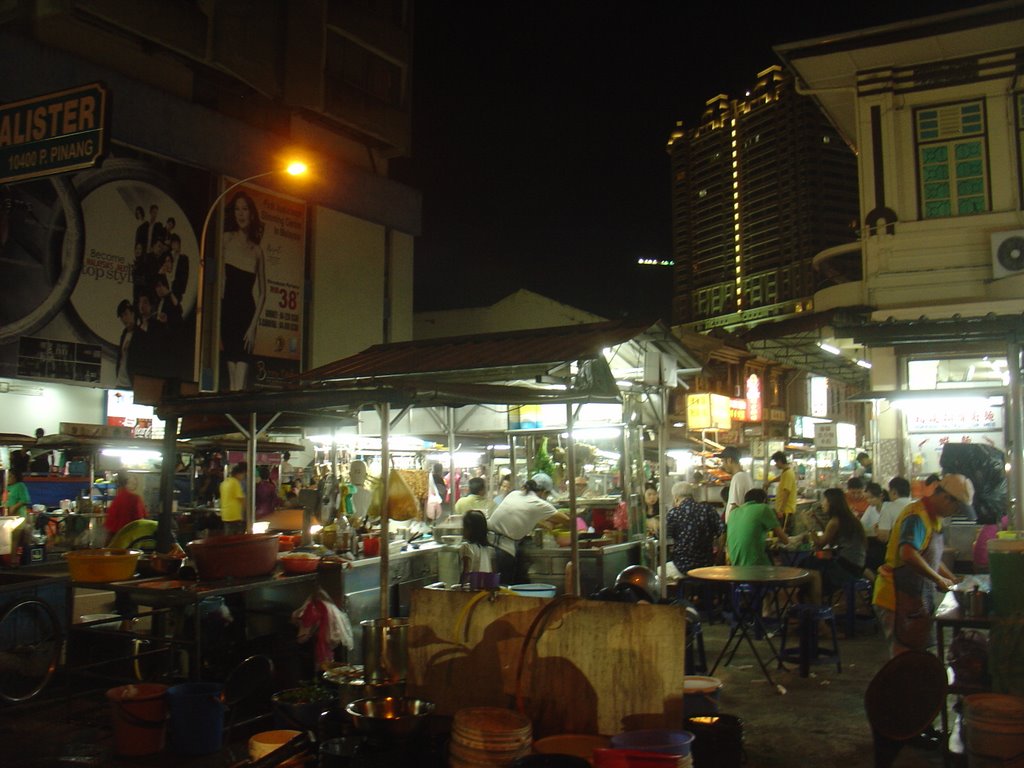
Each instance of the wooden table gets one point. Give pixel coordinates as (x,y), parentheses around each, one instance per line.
(757,575)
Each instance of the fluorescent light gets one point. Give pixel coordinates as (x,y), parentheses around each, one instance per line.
(829,348)
(864,364)
(131,453)
(261,527)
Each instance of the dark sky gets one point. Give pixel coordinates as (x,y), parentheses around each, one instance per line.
(539,132)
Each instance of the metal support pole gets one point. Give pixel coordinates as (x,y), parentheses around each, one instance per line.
(664,492)
(1015,412)
(384,412)
(450,422)
(165,520)
(250,491)
(570,464)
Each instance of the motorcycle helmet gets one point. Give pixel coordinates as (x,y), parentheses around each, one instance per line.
(641,580)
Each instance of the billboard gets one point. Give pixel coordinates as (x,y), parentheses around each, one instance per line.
(101,269)
(260,296)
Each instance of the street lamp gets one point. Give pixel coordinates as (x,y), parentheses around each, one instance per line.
(204,368)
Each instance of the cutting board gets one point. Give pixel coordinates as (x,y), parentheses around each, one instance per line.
(571,665)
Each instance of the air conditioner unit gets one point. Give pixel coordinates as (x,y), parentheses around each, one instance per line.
(1007,253)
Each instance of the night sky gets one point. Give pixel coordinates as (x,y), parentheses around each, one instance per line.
(539,133)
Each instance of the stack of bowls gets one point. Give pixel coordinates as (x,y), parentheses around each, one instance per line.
(489,736)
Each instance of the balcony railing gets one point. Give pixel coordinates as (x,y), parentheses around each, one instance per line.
(837,265)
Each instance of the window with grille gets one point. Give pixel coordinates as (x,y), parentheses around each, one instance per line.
(952,160)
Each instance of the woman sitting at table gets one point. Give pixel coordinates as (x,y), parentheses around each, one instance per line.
(844,539)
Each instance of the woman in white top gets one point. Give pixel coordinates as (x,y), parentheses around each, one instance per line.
(515,518)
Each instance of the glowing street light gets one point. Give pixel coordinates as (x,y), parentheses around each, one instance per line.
(204,368)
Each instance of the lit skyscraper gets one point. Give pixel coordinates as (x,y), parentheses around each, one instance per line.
(760,186)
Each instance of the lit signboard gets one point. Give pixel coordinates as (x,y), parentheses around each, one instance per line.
(708,411)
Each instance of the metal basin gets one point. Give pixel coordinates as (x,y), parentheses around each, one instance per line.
(392,717)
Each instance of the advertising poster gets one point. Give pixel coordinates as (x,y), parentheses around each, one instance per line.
(262,267)
(100,272)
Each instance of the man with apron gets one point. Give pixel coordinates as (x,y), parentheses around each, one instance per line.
(905,588)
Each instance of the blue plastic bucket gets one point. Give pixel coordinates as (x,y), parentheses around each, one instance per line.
(700,695)
(197,718)
(655,740)
(535,590)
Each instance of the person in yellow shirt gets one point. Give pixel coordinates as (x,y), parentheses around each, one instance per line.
(232,499)
(906,585)
(785,494)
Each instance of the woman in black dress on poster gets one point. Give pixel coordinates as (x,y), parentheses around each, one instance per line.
(244,288)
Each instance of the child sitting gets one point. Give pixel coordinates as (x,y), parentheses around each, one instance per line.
(475,553)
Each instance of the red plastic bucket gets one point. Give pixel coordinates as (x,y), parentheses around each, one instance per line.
(140,718)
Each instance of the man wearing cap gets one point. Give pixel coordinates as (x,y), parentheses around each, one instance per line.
(741,481)
(905,587)
(515,518)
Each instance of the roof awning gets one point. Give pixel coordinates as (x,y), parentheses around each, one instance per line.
(924,330)
(506,355)
(794,342)
(514,368)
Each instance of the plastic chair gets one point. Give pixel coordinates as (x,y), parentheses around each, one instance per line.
(809,649)
(247,692)
(902,699)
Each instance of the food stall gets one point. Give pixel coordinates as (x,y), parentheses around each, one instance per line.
(565,367)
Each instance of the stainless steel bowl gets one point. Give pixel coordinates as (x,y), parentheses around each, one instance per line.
(389,717)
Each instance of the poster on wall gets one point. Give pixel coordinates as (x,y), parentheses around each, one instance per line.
(261,276)
(100,272)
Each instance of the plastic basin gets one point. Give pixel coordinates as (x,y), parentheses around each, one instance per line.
(102,565)
(535,590)
(664,742)
(241,556)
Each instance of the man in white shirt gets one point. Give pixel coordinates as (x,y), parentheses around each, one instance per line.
(899,494)
(741,481)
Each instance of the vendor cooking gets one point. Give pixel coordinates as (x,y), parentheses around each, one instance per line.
(514,519)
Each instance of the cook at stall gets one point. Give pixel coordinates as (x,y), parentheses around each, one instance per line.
(517,515)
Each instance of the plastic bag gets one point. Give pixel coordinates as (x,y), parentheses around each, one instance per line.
(402,505)
(985,466)
(320,616)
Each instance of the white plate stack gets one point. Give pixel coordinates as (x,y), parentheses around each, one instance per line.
(483,737)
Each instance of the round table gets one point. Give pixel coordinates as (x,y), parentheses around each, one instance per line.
(760,575)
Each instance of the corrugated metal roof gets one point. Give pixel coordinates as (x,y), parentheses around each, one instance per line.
(496,356)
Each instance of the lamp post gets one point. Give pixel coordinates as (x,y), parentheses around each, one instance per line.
(205,370)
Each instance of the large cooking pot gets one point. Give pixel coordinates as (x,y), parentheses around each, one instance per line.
(239,556)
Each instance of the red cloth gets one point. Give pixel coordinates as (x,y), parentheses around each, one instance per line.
(127,507)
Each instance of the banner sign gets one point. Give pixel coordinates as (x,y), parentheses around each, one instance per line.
(54,133)
(262,274)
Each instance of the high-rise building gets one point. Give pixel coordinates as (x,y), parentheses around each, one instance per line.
(759,187)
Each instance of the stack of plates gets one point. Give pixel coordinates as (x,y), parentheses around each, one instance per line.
(488,736)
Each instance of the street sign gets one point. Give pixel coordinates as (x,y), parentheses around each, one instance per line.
(54,133)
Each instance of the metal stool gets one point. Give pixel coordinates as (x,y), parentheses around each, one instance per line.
(809,648)
(851,591)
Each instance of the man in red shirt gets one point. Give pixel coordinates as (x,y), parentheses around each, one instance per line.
(126,507)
